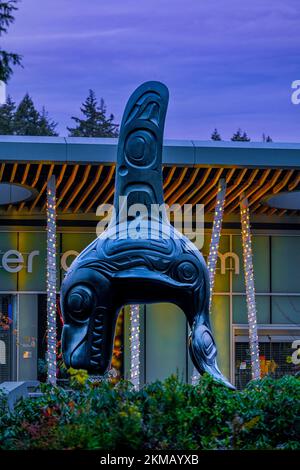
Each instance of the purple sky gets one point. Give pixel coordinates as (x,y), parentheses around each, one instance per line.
(227,63)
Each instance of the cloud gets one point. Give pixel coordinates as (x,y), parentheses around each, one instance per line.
(226,62)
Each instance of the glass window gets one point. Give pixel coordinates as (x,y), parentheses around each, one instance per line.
(275,360)
(8,280)
(239,306)
(220,322)
(27,339)
(285,264)
(222,279)
(6,332)
(286,309)
(261,264)
(32,277)
(165,342)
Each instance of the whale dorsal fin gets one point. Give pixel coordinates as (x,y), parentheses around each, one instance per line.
(139,161)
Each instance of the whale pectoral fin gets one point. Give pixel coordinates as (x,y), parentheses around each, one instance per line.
(203,352)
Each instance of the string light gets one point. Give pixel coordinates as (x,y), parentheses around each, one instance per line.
(214,248)
(250,290)
(135,345)
(51,281)
(215,236)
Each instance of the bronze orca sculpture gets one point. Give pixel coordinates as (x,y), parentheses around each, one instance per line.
(117,270)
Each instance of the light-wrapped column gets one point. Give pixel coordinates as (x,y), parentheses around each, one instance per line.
(135,345)
(215,236)
(51,281)
(214,247)
(250,290)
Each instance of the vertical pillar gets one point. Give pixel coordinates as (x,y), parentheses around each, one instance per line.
(51,280)
(215,235)
(250,290)
(214,247)
(135,345)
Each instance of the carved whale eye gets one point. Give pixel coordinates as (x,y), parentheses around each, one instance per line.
(135,147)
(80,303)
(140,148)
(187,272)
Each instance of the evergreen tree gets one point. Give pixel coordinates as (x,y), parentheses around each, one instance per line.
(7,59)
(7,117)
(94,123)
(267,138)
(240,136)
(46,125)
(215,135)
(28,121)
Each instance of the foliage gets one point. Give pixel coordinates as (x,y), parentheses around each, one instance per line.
(28,121)
(7,59)
(215,135)
(25,119)
(163,415)
(78,377)
(266,138)
(240,136)
(94,123)
(7,113)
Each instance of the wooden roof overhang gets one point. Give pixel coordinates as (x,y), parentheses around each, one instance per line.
(85,172)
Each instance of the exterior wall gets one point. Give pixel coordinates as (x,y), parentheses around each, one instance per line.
(163,327)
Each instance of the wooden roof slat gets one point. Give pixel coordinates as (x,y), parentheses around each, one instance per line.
(283,183)
(2,170)
(276,189)
(79,188)
(13,173)
(197,188)
(169,177)
(210,204)
(58,182)
(237,188)
(109,194)
(33,184)
(282,212)
(175,184)
(209,200)
(184,187)
(239,191)
(198,197)
(43,189)
(229,189)
(254,188)
(102,189)
(229,175)
(89,189)
(25,174)
(295,212)
(264,190)
(294,183)
(68,185)
(23,181)
(271,211)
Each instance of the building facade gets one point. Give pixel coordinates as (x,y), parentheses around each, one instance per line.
(84,170)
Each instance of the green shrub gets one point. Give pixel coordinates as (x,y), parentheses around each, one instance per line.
(163,415)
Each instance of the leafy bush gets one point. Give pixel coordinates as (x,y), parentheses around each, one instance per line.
(163,415)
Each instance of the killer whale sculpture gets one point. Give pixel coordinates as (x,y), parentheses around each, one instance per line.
(114,271)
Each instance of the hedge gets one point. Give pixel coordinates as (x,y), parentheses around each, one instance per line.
(162,415)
